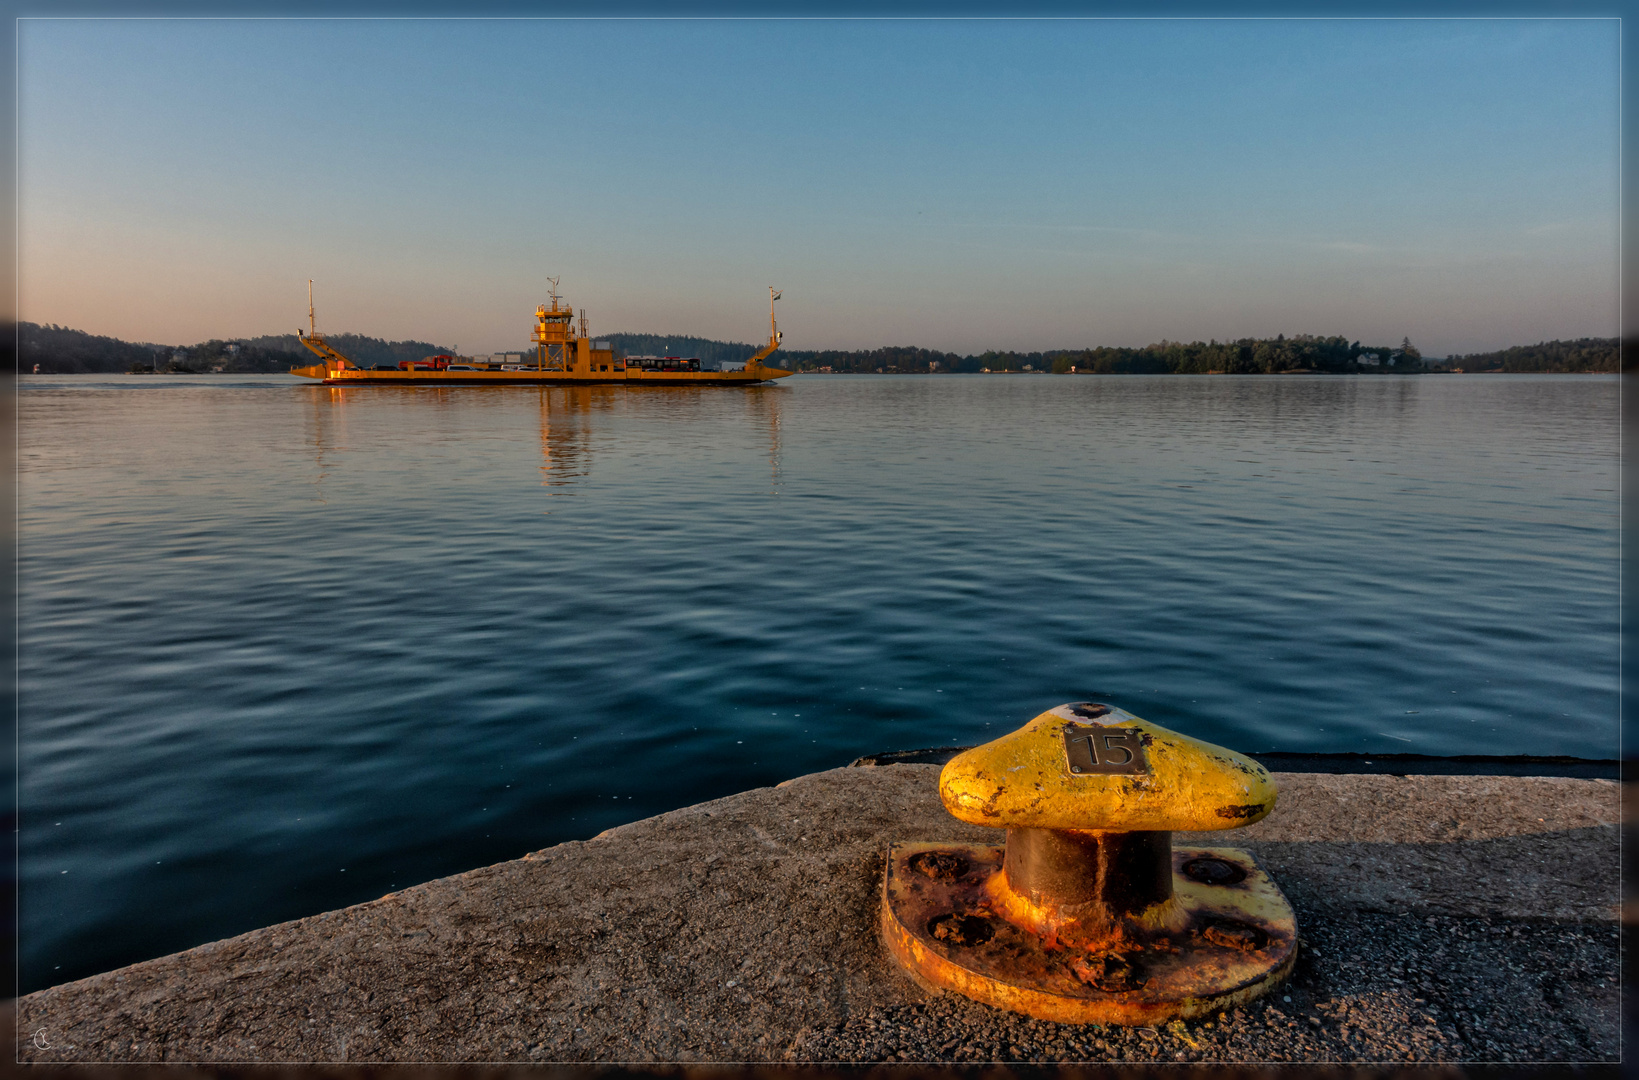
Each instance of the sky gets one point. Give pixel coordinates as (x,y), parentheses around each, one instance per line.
(955,184)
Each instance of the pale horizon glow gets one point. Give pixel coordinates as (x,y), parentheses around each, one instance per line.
(956,185)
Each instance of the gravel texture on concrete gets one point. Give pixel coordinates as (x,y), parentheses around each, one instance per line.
(1443,919)
(1372,987)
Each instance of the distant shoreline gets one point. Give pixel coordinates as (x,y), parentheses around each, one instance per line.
(62,350)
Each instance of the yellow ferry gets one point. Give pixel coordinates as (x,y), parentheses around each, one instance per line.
(561,356)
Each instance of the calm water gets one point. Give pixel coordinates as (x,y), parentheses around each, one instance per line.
(286,647)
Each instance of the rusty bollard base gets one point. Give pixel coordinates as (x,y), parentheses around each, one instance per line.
(1235,939)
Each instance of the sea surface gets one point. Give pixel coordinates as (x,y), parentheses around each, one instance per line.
(286,647)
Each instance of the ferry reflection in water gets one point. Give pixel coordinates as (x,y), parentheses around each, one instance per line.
(566,440)
(326,431)
(766,408)
(564,413)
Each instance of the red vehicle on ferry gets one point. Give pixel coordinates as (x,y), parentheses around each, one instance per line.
(441,362)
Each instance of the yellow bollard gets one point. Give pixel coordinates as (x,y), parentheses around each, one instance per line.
(1088,914)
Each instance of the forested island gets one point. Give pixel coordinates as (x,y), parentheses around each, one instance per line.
(1303,352)
(1246,356)
(61,350)
(1583,354)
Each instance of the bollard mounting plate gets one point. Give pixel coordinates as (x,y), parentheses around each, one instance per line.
(1239,940)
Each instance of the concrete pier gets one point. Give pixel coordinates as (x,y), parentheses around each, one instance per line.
(1444,918)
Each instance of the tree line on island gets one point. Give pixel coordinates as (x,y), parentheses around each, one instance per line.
(1246,356)
(61,350)
(1583,354)
(1303,352)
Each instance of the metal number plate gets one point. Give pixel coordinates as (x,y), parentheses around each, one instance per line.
(1104,750)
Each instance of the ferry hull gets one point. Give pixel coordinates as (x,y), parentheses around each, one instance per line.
(358,376)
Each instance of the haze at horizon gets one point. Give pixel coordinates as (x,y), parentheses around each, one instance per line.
(957,185)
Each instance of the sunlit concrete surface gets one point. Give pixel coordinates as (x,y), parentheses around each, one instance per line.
(1443,918)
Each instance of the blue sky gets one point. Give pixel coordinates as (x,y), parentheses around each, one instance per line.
(955,184)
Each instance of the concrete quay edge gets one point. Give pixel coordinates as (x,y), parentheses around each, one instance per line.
(744,929)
